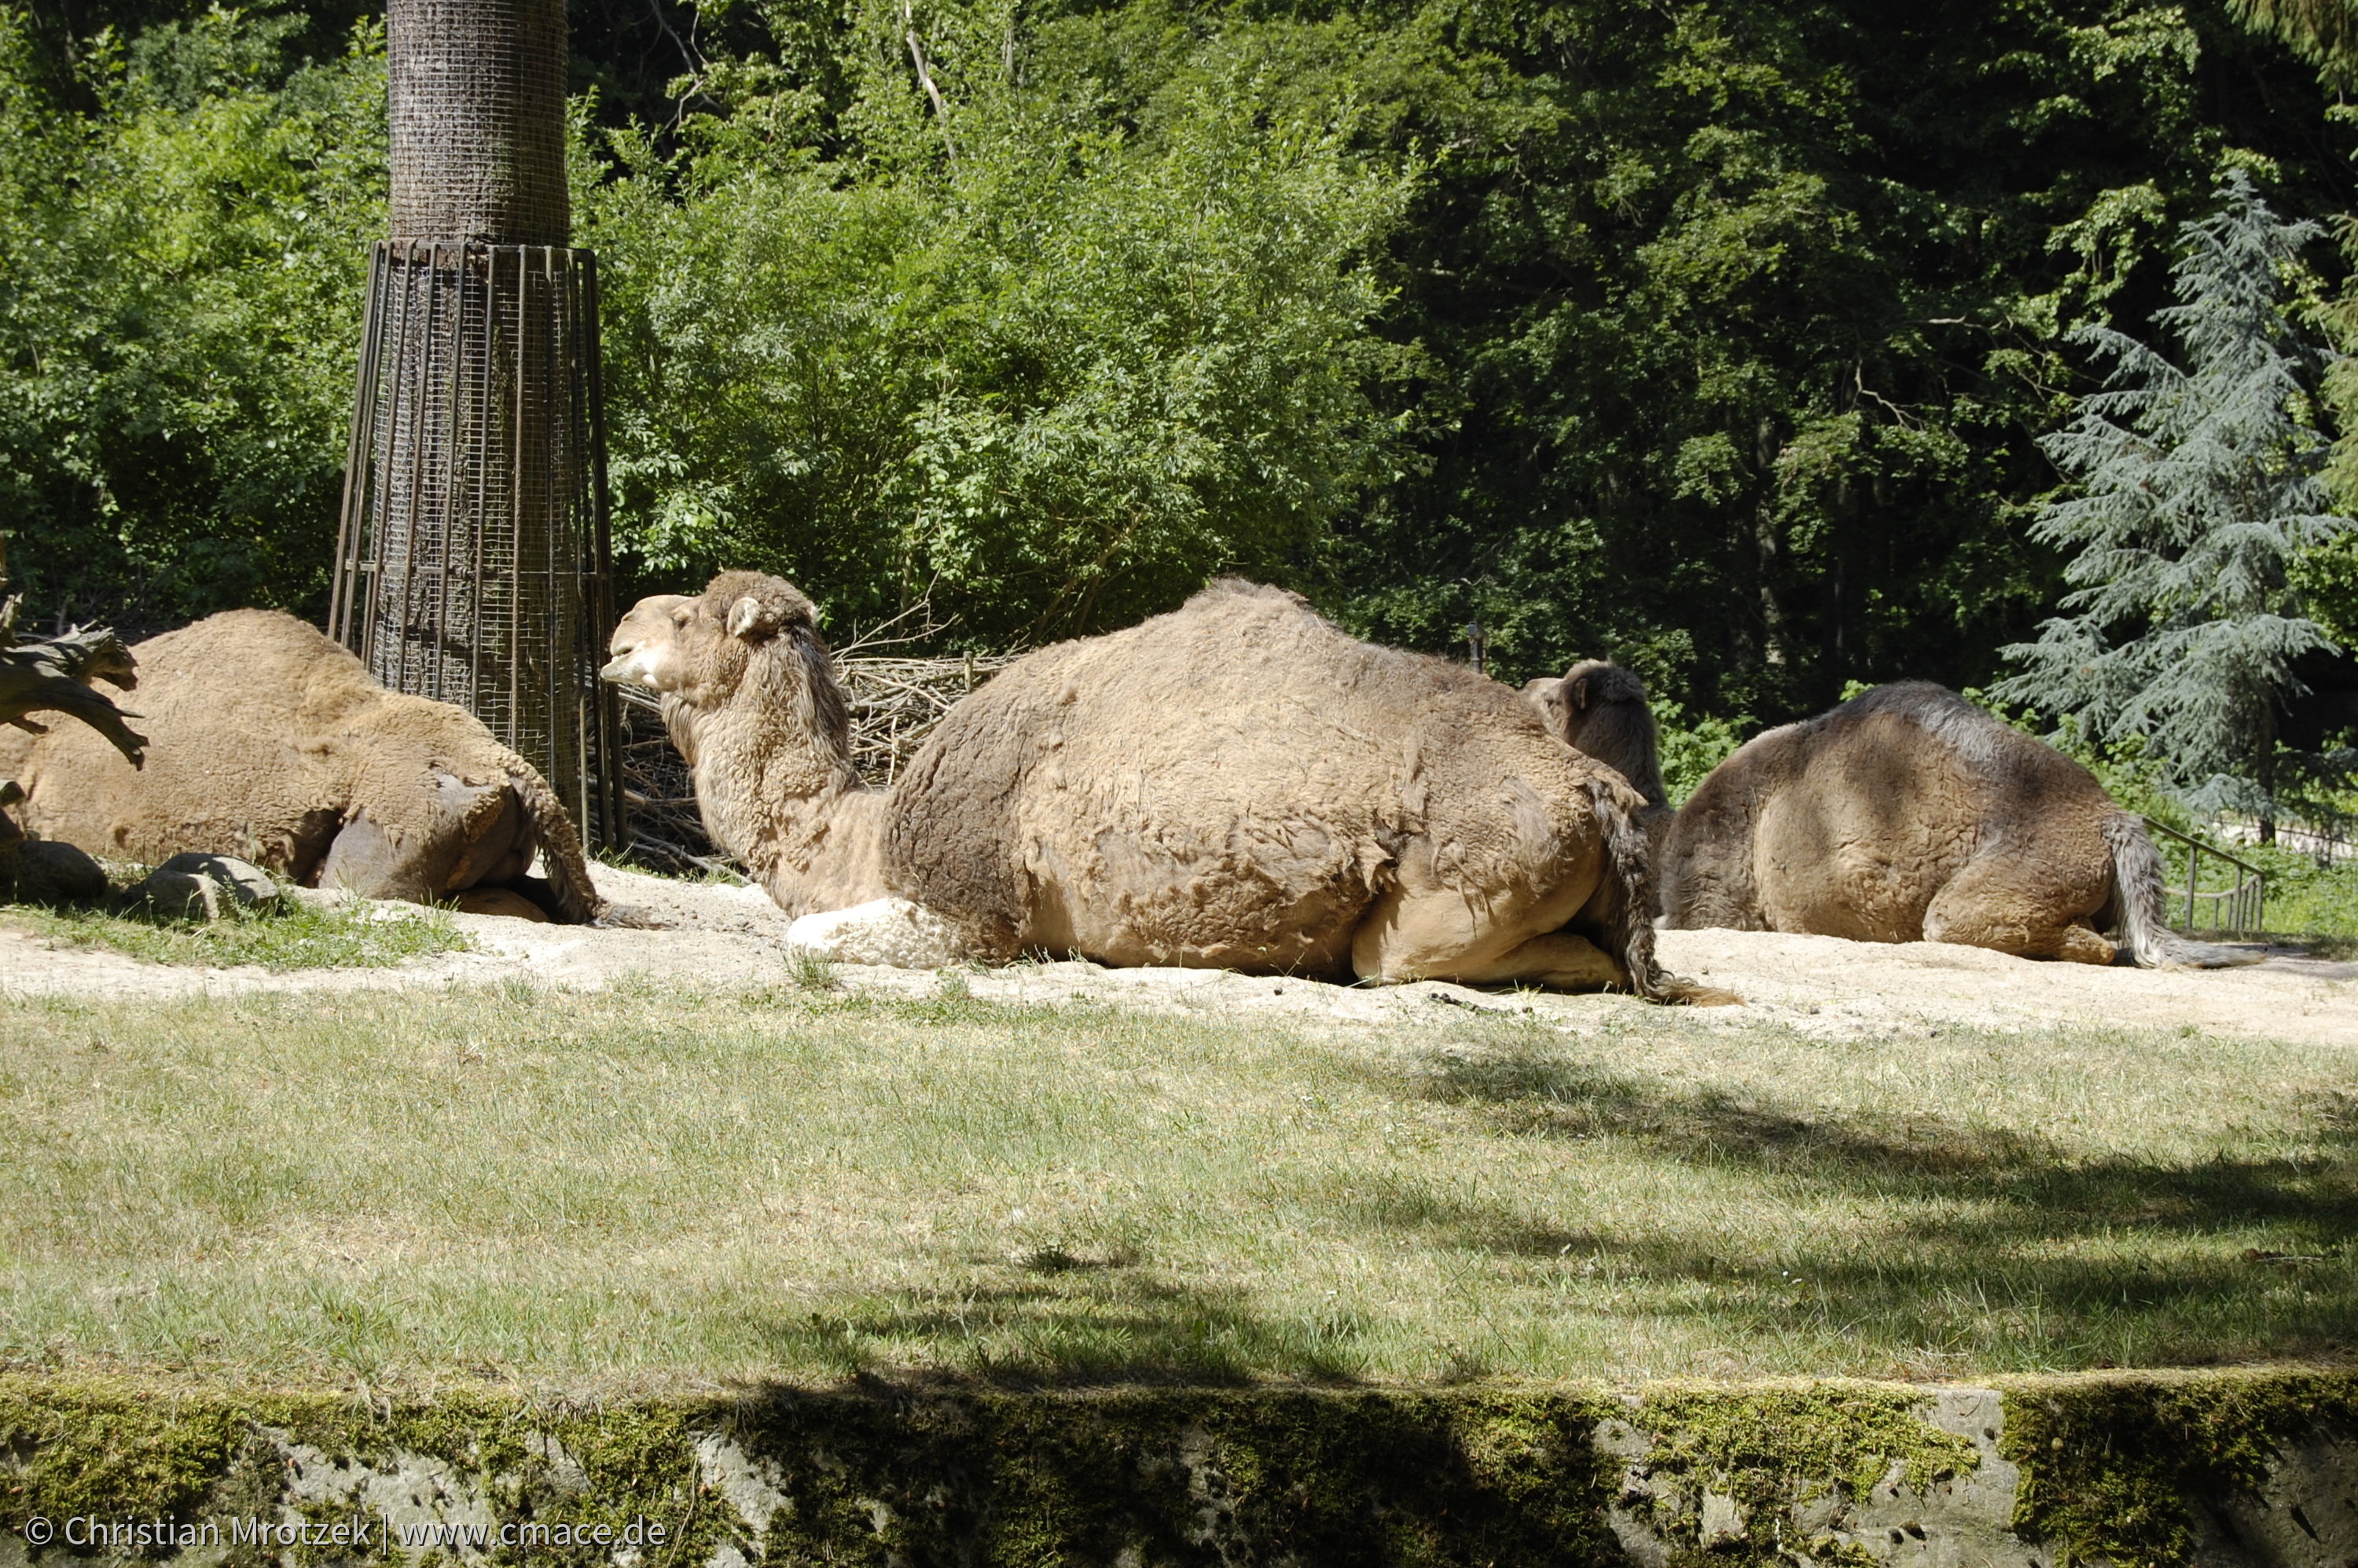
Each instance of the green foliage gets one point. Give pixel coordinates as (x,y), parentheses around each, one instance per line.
(1714,339)
(180,275)
(1691,750)
(1742,320)
(1054,381)
(2200,493)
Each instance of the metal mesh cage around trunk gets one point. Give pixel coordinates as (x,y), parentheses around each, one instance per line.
(472,562)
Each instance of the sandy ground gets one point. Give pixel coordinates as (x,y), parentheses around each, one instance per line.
(722,938)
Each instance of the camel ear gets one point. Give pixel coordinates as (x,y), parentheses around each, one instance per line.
(1576,692)
(750,615)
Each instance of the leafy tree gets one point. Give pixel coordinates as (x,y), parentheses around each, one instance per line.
(1716,336)
(2324,33)
(180,286)
(1740,331)
(2199,489)
(1049,376)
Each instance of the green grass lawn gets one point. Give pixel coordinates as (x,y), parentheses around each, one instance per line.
(631,1188)
(289,934)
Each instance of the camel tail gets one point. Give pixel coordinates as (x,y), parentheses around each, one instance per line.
(2145,936)
(1630,930)
(560,850)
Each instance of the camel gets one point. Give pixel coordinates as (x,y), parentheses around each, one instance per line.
(269,742)
(1599,709)
(1235,784)
(1908,815)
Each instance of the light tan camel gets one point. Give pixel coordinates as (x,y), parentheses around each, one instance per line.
(751,699)
(1236,784)
(269,742)
(1908,815)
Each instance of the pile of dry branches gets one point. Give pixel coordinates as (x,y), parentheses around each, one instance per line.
(895,703)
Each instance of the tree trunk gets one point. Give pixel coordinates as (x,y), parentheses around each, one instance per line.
(2266,772)
(478,120)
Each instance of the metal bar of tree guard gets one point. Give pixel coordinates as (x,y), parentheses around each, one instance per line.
(473,549)
(2245,902)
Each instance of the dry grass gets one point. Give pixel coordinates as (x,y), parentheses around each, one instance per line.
(638,1186)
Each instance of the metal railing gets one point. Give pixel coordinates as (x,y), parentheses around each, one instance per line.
(2236,908)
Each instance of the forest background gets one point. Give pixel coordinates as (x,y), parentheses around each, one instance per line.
(1715,337)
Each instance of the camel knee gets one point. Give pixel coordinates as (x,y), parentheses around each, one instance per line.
(2079,943)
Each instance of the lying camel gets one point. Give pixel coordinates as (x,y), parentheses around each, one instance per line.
(1908,814)
(1599,709)
(1236,784)
(270,742)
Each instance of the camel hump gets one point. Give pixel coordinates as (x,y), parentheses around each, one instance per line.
(1216,594)
(1240,749)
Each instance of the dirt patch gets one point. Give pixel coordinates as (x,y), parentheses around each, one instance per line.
(723,937)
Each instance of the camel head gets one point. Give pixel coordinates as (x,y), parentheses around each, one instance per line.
(699,646)
(748,640)
(1600,710)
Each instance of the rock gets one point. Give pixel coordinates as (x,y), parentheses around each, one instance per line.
(41,870)
(195,885)
(1723,1522)
(890,931)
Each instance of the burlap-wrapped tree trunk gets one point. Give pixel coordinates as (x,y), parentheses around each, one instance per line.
(473,565)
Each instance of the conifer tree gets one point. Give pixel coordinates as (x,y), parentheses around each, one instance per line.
(2198,486)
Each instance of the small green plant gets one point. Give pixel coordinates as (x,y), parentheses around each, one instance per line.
(1690,751)
(810,969)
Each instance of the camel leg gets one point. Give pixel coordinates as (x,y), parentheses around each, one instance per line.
(1441,935)
(2007,904)
(1559,960)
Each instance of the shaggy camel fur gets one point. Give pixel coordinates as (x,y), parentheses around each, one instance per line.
(272,742)
(1236,784)
(1600,710)
(1908,815)
(751,699)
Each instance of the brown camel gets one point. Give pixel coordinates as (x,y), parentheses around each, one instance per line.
(269,742)
(1599,709)
(1236,784)
(1908,815)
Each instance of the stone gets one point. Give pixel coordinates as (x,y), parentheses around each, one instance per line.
(200,886)
(887,931)
(42,870)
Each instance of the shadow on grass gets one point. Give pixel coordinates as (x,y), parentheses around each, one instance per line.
(1093,1326)
(1999,1240)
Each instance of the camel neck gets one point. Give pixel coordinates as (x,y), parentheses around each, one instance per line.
(783,801)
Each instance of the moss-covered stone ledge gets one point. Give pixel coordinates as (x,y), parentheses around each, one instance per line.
(2251,1467)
